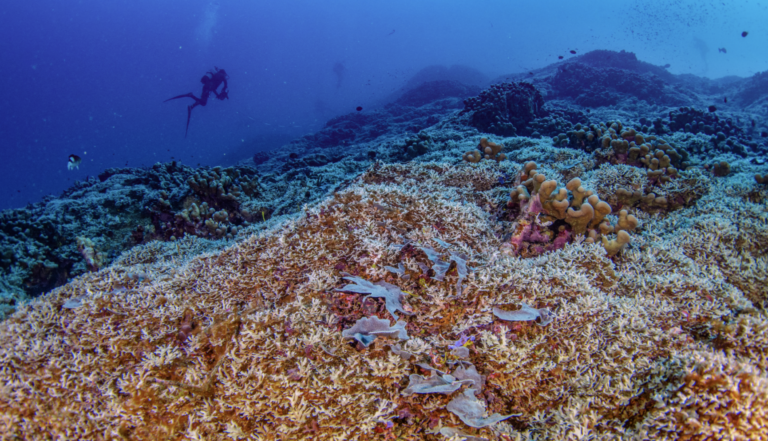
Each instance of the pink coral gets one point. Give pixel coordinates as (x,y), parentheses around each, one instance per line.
(536,235)
(535,207)
(524,239)
(562,238)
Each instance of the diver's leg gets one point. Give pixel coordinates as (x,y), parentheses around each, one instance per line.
(186,95)
(189,115)
(204,97)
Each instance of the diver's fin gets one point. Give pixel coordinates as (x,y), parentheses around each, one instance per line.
(189,115)
(186,95)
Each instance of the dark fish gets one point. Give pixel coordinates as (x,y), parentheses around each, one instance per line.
(722,49)
(560,57)
(744,34)
(572,51)
(74,162)
(359,108)
(725,99)
(666,66)
(712,108)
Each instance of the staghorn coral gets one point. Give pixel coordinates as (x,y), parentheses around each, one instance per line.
(246,341)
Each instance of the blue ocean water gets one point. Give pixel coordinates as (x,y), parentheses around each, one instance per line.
(89,77)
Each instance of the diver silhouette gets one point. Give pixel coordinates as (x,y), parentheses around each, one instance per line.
(210,84)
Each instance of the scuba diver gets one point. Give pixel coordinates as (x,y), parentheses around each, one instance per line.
(210,84)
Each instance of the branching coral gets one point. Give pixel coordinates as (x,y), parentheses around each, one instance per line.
(248,341)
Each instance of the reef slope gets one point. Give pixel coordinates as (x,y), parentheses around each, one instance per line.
(662,341)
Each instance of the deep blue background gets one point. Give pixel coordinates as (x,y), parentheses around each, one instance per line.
(89,77)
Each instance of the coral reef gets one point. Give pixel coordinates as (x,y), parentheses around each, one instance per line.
(39,246)
(433,91)
(698,121)
(599,279)
(252,341)
(504,109)
(595,87)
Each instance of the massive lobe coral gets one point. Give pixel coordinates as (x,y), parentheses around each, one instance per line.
(505,109)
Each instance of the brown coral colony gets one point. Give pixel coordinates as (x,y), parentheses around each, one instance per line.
(540,214)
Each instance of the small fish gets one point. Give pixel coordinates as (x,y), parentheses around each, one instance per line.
(359,108)
(744,34)
(725,99)
(722,49)
(74,162)
(560,57)
(712,108)
(666,66)
(572,51)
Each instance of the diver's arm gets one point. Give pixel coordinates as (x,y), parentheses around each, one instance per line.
(223,94)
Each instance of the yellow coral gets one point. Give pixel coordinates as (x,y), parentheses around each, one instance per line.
(613,246)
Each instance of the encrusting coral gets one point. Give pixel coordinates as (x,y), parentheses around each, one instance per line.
(660,341)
